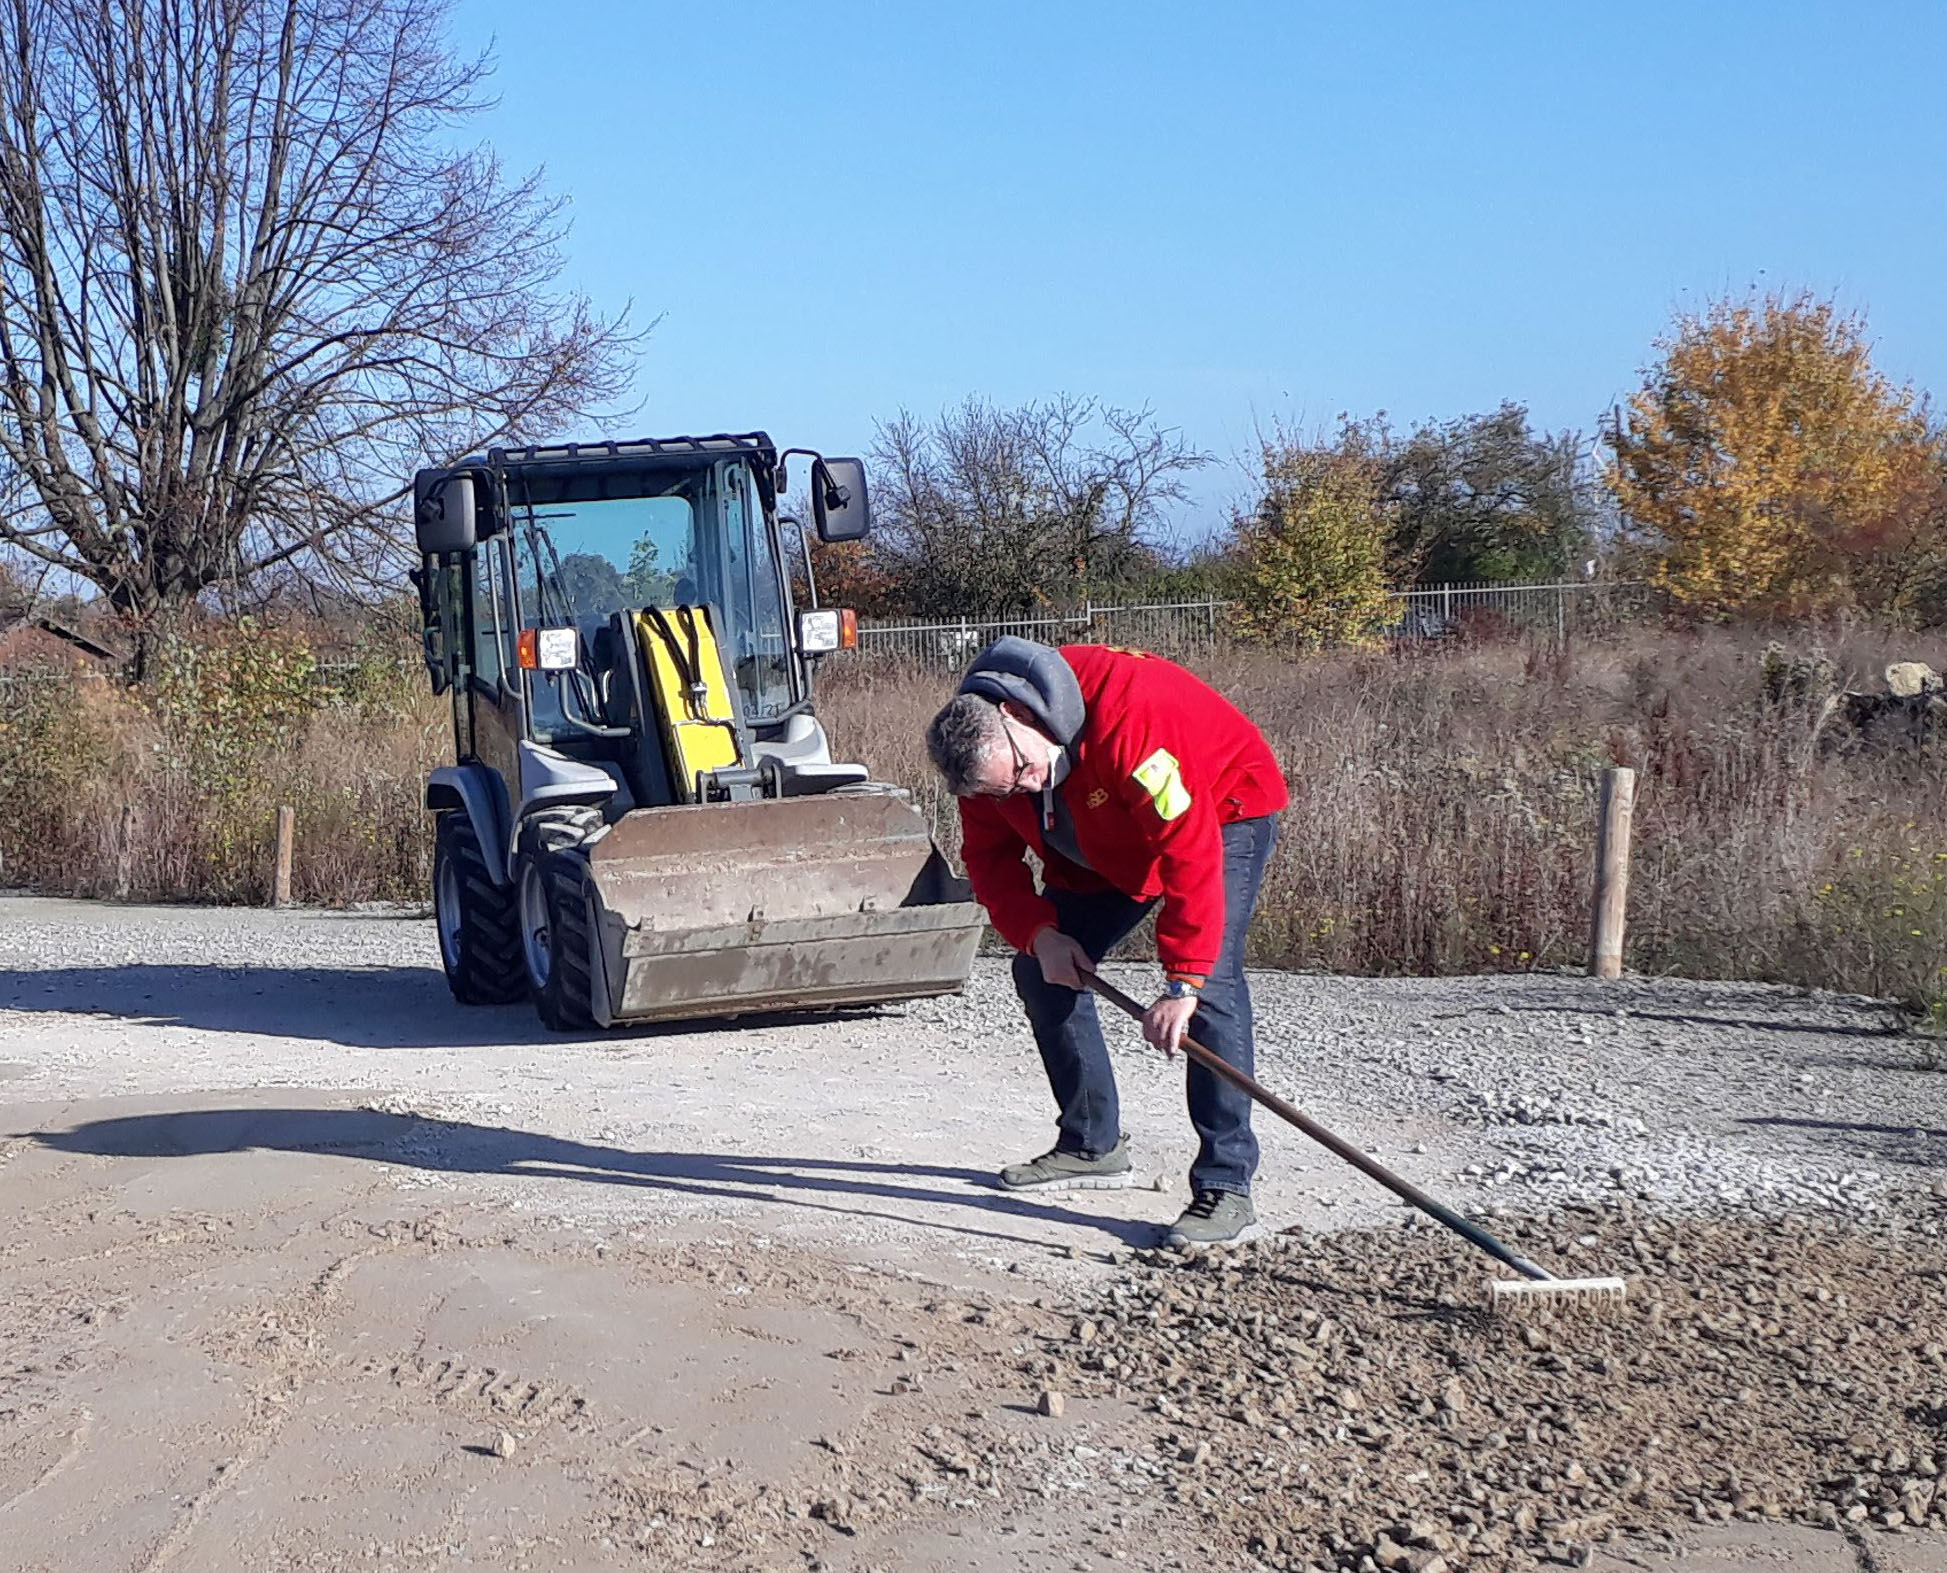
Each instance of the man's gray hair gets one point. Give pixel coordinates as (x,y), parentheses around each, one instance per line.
(961,737)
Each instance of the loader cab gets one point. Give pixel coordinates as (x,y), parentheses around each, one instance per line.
(574,596)
(586,548)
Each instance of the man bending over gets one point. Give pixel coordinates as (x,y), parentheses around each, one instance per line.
(1133,782)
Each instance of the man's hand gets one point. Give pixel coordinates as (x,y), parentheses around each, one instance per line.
(1165,1022)
(1062,960)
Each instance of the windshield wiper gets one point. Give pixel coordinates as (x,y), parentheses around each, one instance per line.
(537,539)
(578,683)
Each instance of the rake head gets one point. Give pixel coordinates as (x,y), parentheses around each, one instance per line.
(1513,1296)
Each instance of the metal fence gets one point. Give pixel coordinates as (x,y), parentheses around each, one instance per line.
(1439,610)
(1427,612)
(18,684)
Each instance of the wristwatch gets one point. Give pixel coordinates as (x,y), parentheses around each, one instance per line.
(1179,989)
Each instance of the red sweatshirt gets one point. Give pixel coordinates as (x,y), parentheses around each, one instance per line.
(1163,763)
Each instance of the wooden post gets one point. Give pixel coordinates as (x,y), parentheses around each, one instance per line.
(280,885)
(125,853)
(1612,872)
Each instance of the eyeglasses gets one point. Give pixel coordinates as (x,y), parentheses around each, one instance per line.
(1020,766)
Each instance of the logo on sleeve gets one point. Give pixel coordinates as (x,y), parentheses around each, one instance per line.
(1160,777)
(1098,797)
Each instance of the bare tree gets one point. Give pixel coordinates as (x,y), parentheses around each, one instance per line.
(992,510)
(247,284)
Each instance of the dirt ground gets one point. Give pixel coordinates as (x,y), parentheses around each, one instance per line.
(304,1267)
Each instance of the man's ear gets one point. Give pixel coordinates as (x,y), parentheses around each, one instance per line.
(1015,711)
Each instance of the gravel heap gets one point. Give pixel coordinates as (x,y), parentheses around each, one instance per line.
(1682,1095)
(1343,1401)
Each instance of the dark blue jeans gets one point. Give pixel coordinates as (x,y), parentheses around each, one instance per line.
(1069,1034)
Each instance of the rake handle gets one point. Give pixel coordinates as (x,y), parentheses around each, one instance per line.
(1405,1189)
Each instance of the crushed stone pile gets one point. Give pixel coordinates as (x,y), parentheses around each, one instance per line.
(1345,1401)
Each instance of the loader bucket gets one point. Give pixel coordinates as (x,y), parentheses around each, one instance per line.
(777,904)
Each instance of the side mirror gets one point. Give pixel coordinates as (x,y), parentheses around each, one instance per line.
(838,501)
(444,513)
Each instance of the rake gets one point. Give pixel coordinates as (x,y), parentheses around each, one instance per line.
(1535,1288)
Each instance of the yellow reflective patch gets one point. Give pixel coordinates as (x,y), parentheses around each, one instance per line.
(1159,776)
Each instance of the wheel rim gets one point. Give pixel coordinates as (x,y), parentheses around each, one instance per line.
(534,926)
(446,911)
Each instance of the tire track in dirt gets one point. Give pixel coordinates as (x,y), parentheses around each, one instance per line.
(75,1444)
(485,1392)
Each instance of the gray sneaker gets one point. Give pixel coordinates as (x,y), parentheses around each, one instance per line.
(1071,1171)
(1216,1218)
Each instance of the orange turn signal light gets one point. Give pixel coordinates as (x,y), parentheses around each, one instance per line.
(848,629)
(527,649)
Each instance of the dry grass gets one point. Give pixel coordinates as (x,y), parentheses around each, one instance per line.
(1444,801)
(1442,817)
(117,794)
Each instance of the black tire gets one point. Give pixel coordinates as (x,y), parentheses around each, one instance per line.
(478,923)
(557,945)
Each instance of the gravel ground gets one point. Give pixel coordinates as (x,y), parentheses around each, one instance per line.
(1515,1092)
(236,1143)
(1344,1401)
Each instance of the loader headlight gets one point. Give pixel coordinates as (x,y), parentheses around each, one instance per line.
(821,632)
(548,649)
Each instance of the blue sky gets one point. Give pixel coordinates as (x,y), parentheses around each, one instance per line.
(1238,214)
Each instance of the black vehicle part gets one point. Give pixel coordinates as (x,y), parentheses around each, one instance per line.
(479,929)
(557,919)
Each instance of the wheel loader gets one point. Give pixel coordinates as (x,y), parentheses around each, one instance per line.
(643,820)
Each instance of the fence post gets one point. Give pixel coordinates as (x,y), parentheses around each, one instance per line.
(280,883)
(1612,871)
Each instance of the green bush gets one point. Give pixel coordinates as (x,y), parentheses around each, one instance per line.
(1316,557)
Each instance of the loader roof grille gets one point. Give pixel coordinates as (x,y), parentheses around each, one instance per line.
(757,444)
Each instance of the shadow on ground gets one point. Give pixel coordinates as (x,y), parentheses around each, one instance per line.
(360,1007)
(455,1147)
(1919,1145)
(1883,1022)
(1757,1007)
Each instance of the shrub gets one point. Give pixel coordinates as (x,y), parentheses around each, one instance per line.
(1315,554)
(1880,919)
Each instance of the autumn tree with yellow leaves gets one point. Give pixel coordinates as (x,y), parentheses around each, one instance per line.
(1315,554)
(1767,465)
